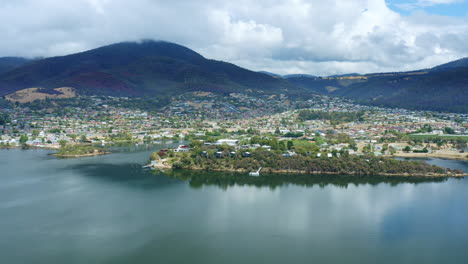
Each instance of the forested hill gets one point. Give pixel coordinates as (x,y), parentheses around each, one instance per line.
(10,63)
(443,88)
(149,68)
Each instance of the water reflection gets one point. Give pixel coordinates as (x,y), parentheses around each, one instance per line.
(126,174)
(225,180)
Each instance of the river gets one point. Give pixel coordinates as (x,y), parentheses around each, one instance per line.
(107,209)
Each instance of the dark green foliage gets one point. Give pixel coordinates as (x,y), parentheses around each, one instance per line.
(23,139)
(293,135)
(10,63)
(449,130)
(4,118)
(334,117)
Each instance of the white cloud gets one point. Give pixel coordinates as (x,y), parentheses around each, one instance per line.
(284,36)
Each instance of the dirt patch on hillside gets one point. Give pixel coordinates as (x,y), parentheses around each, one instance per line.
(32,94)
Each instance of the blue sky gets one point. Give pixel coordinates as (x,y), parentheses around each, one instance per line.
(437,7)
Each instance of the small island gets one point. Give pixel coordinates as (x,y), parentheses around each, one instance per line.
(232,158)
(78,151)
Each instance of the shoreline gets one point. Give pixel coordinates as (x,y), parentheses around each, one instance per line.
(80,156)
(273,171)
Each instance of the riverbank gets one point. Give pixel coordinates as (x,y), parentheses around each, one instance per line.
(79,151)
(80,155)
(275,171)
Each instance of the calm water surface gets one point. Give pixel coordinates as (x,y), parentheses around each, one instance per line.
(108,210)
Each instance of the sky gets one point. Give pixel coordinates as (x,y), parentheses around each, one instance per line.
(282,36)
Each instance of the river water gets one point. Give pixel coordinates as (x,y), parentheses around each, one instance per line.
(108,209)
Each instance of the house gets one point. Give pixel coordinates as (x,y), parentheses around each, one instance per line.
(182,148)
(229,142)
(289,154)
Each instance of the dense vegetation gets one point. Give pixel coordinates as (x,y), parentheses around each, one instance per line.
(79,150)
(4,118)
(207,158)
(334,117)
(9,63)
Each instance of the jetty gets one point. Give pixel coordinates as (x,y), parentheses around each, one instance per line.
(257,173)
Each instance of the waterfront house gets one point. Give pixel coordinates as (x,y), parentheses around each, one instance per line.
(182,148)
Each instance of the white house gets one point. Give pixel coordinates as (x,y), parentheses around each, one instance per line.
(229,142)
(182,148)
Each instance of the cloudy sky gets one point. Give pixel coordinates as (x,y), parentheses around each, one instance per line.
(283,36)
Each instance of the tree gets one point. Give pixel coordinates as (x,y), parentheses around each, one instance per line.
(83,138)
(155,156)
(407,149)
(290,144)
(73,136)
(62,143)
(23,139)
(4,118)
(449,130)
(35,133)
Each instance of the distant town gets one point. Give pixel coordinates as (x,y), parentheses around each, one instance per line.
(331,124)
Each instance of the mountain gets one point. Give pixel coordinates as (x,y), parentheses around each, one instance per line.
(271,74)
(298,75)
(451,65)
(148,68)
(10,63)
(439,90)
(345,75)
(162,69)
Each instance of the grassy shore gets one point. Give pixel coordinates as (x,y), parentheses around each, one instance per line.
(78,151)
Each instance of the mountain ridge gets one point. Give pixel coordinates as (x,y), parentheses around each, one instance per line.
(164,69)
(148,68)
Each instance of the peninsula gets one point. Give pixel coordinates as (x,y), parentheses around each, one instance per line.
(212,157)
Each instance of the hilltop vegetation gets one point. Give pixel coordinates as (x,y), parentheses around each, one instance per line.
(10,63)
(334,117)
